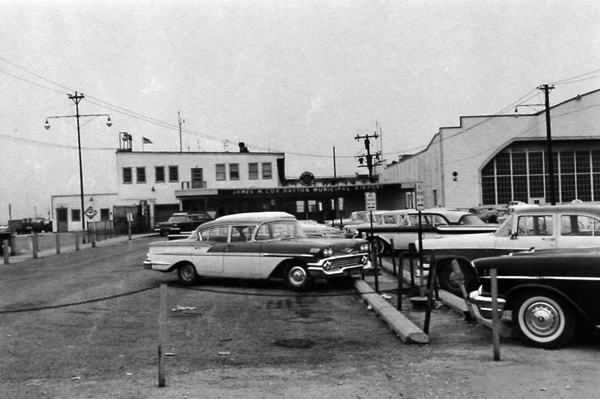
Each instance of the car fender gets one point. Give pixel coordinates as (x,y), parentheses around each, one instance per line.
(515,292)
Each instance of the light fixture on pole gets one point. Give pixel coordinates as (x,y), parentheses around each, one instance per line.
(77,99)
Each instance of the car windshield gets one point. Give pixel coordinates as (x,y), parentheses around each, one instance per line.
(471,220)
(279,230)
(177,219)
(506,227)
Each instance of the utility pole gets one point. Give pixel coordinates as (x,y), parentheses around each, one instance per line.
(369,156)
(181,121)
(550,160)
(77,97)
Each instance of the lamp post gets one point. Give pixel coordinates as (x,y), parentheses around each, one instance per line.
(77,97)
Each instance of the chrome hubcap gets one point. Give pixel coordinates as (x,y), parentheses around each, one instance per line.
(297,275)
(542,318)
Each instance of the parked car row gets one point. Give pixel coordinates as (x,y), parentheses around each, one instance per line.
(547,257)
(406,225)
(548,265)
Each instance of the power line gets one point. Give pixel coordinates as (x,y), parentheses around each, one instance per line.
(174,127)
(45,144)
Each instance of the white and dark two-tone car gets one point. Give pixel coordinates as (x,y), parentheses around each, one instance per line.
(258,245)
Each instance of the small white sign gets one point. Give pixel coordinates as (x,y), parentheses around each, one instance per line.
(371,201)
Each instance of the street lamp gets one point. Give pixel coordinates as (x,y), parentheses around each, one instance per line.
(76,99)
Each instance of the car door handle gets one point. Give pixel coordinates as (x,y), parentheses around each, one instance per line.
(549,239)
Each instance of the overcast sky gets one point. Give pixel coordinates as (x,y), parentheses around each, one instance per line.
(299,77)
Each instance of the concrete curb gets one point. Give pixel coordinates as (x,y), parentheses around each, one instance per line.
(459,306)
(406,330)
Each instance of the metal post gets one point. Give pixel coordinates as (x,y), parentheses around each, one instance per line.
(35,245)
(420,256)
(162,335)
(394,273)
(400,282)
(76,241)
(495,321)
(57,243)
(5,251)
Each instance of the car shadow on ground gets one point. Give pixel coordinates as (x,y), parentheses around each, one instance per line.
(319,286)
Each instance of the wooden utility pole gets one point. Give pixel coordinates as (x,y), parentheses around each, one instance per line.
(550,159)
(181,121)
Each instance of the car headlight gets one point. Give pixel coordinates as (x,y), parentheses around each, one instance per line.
(327,252)
(364,247)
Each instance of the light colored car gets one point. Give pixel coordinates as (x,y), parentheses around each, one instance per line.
(434,222)
(357,217)
(376,218)
(537,227)
(314,229)
(258,245)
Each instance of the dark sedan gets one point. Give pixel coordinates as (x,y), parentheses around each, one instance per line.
(182,222)
(550,292)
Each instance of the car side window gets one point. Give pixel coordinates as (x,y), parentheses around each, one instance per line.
(438,220)
(579,225)
(534,225)
(241,233)
(217,233)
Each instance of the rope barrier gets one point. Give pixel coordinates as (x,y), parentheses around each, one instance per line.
(78,303)
(230,292)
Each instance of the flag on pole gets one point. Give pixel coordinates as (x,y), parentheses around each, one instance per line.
(146,141)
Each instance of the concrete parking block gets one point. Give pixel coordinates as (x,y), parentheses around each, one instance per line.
(406,329)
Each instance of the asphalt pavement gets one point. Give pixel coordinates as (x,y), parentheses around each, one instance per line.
(381,303)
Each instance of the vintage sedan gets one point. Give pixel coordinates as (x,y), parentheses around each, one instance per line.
(258,245)
(550,292)
(539,227)
(182,222)
(434,222)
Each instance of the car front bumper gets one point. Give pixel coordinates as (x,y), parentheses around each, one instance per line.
(484,304)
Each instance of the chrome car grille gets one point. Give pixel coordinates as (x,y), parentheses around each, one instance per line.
(350,261)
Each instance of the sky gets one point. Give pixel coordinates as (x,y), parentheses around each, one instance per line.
(300,77)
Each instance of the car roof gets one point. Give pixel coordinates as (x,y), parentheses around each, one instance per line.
(254,217)
(573,207)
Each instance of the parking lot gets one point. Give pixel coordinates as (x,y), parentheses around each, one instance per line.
(85,324)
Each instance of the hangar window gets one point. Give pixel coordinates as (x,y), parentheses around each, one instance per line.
(522,176)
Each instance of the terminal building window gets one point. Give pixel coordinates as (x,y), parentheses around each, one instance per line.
(221,176)
(267,171)
(253,171)
(160,174)
(234,171)
(173,174)
(141,174)
(127,176)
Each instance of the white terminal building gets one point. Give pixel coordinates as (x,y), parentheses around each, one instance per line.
(486,160)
